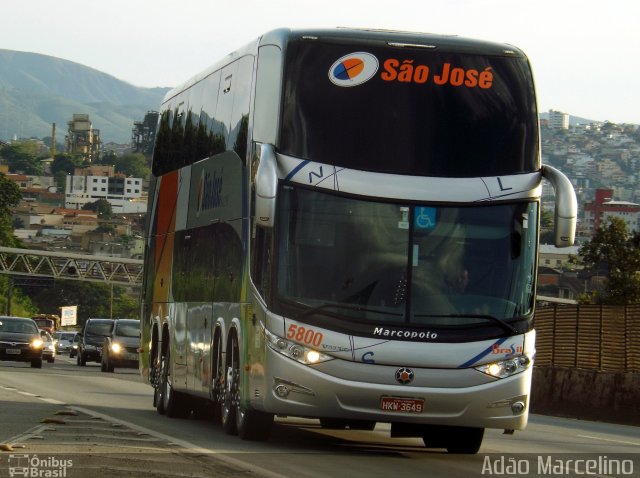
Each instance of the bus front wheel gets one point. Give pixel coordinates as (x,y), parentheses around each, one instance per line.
(253,424)
(247,423)
(461,440)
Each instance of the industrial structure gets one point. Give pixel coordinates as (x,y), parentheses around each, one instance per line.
(82,138)
(143,134)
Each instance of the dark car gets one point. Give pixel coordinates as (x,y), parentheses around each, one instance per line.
(20,341)
(120,349)
(92,337)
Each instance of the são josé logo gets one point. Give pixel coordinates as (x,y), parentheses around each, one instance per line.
(353,69)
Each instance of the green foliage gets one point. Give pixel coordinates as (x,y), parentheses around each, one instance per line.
(546,219)
(614,252)
(10,196)
(65,163)
(93,299)
(133,165)
(21,304)
(23,157)
(125,305)
(106,228)
(60,179)
(547,232)
(101,206)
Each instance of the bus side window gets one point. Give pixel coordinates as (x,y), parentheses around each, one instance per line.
(261,265)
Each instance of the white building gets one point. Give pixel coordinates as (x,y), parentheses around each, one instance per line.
(88,185)
(558,120)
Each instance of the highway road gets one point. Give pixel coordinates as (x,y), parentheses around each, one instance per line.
(297,448)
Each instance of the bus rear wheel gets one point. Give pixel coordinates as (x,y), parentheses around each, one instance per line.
(231,399)
(217,381)
(169,401)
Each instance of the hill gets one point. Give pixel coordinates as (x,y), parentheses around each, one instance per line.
(38,90)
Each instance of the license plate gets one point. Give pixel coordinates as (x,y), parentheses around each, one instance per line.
(402,405)
(13,351)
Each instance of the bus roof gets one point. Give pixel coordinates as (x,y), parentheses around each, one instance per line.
(399,39)
(357,36)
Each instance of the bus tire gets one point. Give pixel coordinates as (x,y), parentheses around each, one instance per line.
(217,380)
(171,401)
(230,403)
(253,425)
(458,440)
(467,442)
(157,399)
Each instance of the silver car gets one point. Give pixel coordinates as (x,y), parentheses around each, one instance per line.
(64,340)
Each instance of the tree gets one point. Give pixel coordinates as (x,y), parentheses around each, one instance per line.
(65,163)
(547,232)
(92,298)
(101,206)
(614,252)
(21,304)
(10,196)
(134,165)
(23,157)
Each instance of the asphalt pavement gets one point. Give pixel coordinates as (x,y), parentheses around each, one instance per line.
(44,437)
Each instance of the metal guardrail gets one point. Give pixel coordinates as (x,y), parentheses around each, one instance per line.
(42,264)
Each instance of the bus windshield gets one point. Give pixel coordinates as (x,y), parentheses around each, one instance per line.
(424,112)
(402,264)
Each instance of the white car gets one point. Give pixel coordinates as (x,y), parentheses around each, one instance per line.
(48,347)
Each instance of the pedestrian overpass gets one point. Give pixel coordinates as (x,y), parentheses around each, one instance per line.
(42,265)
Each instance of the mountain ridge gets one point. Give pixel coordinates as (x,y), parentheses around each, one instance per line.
(37,90)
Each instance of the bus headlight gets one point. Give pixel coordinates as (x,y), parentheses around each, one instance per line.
(506,368)
(116,348)
(295,351)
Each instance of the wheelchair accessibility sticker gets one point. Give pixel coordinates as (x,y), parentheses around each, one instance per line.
(425,217)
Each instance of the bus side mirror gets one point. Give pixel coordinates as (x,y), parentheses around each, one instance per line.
(566,210)
(266,186)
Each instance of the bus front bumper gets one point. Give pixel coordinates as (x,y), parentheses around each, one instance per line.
(294,389)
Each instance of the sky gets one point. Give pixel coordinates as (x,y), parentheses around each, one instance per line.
(585,53)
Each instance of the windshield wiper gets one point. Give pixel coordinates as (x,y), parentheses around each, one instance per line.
(504,325)
(327,305)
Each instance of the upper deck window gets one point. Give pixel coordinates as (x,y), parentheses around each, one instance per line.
(409,111)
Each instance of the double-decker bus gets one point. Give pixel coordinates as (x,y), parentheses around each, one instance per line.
(343,225)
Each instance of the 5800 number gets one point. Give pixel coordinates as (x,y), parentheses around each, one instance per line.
(304,335)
